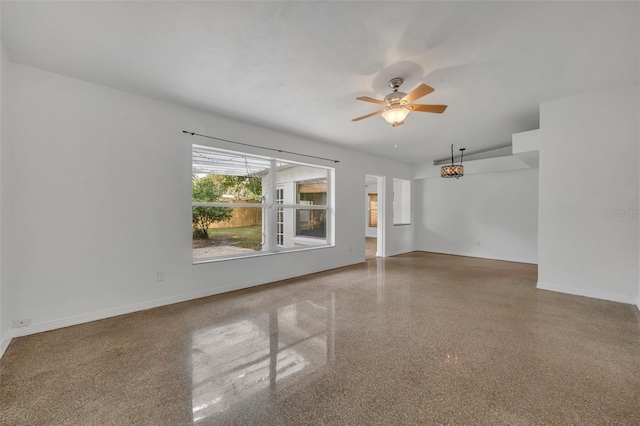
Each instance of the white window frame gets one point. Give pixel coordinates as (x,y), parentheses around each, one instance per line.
(270,205)
(279,214)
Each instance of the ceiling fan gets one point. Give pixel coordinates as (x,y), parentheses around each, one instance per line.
(398,104)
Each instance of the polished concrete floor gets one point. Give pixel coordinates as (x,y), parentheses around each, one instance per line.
(414,339)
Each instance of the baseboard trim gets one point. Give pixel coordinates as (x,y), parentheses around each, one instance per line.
(4,345)
(156,303)
(392,254)
(478,257)
(586,293)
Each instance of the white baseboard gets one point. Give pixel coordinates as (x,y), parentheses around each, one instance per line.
(391,254)
(4,344)
(475,255)
(122,310)
(586,293)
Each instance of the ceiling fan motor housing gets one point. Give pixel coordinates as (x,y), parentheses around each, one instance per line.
(393,98)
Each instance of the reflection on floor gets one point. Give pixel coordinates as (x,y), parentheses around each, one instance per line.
(420,338)
(233,362)
(370,247)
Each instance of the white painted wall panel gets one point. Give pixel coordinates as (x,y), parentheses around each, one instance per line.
(99,201)
(4,319)
(589,185)
(492,215)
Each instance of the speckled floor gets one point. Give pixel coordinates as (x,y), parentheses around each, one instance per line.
(414,339)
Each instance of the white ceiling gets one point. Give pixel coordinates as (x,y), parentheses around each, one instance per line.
(298,66)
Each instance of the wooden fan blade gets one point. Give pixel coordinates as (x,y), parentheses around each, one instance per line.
(438,109)
(418,92)
(368,115)
(368,99)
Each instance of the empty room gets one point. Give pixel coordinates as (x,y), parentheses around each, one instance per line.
(405,212)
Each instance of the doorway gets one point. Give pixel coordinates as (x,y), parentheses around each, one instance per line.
(374,220)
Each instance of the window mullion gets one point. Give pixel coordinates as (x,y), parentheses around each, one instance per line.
(271,210)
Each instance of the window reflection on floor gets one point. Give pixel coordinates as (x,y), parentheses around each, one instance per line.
(234,361)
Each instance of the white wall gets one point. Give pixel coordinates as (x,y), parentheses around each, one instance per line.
(395,238)
(401,201)
(4,318)
(492,215)
(589,187)
(99,202)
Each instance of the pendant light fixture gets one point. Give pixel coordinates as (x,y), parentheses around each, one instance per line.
(453,170)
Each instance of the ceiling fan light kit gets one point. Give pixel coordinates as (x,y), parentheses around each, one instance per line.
(398,104)
(396,115)
(453,170)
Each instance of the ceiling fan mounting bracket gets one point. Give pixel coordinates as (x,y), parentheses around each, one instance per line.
(395,83)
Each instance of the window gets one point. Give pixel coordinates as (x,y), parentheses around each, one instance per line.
(244,205)
(312,223)
(305,204)
(401,202)
(373,210)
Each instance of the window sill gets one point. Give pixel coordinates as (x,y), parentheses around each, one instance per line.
(258,254)
(311,241)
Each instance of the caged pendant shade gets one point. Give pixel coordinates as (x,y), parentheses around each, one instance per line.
(453,170)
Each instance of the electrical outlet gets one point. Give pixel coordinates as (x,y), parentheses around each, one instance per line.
(20,323)
(160,276)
